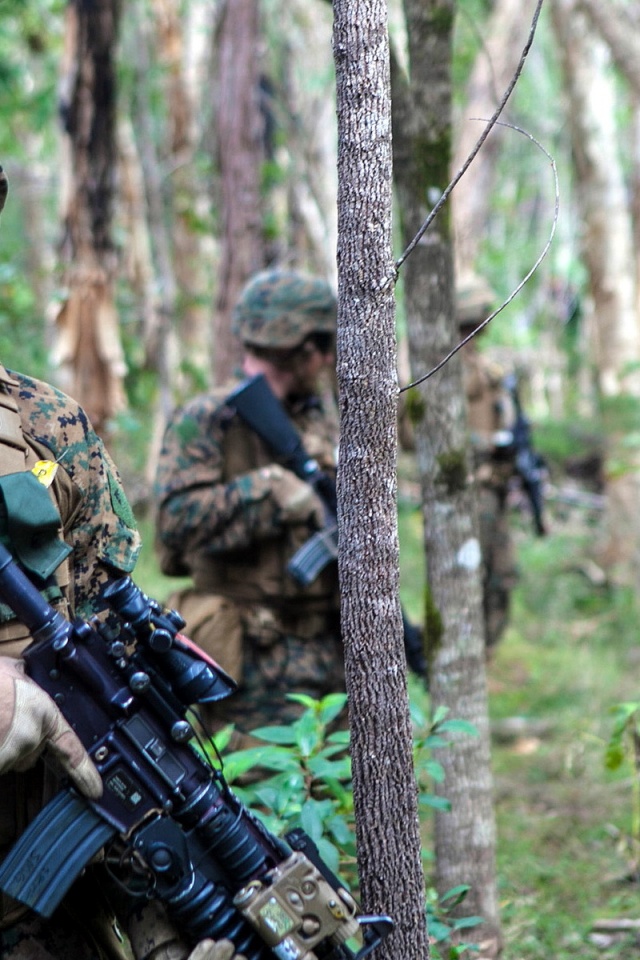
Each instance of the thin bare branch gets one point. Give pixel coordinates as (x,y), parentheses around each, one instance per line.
(525,279)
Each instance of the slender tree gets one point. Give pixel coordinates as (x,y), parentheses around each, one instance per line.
(240,143)
(607,250)
(385,792)
(465,836)
(88,346)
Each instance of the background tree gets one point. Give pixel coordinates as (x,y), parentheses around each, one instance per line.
(385,792)
(502,39)
(607,245)
(239,135)
(465,834)
(88,344)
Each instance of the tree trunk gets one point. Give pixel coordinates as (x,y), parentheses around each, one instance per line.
(385,791)
(88,346)
(619,28)
(239,135)
(186,189)
(465,836)
(607,249)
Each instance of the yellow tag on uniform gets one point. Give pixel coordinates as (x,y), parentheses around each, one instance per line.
(45,471)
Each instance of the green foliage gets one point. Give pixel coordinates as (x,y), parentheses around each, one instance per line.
(300,776)
(561,440)
(22,344)
(623,748)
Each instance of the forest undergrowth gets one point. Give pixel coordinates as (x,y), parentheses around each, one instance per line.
(567,825)
(568,828)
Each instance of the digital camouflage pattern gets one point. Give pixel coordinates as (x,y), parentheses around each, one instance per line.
(280,308)
(98,522)
(99,526)
(219,522)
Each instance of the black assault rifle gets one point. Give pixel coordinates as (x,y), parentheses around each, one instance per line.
(529,465)
(261,410)
(172,829)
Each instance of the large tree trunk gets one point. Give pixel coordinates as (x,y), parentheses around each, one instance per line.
(88,346)
(385,791)
(607,249)
(465,836)
(240,141)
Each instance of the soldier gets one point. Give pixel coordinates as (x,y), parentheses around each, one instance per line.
(231,516)
(489,417)
(65,517)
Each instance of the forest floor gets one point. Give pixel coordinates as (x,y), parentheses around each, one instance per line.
(567,860)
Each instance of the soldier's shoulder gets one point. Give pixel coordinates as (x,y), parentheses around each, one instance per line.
(46,413)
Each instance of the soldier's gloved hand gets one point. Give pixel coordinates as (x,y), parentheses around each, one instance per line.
(30,723)
(215,950)
(297,501)
(153,937)
(205,950)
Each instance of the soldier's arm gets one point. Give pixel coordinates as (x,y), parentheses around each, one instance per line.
(197,508)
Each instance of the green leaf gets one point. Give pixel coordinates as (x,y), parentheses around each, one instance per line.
(307,733)
(339,736)
(331,707)
(439,716)
(329,769)
(309,702)
(457,894)
(282,735)
(330,854)
(438,930)
(464,923)
(312,820)
(341,831)
(458,726)
(435,770)
(436,803)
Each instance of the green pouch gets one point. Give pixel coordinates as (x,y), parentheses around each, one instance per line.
(31,524)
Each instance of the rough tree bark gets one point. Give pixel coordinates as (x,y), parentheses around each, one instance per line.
(88,347)
(385,792)
(464,837)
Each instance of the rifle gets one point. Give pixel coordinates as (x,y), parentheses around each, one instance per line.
(529,465)
(261,410)
(172,828)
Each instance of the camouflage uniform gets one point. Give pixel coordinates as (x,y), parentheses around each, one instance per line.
(98,526)
(218,521)
(489,416)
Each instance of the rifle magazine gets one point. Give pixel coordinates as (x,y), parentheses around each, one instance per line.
(53,850)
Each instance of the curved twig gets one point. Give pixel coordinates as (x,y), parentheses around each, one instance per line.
(525,279)
(485,133)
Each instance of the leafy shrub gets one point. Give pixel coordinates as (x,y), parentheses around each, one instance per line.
(300,776)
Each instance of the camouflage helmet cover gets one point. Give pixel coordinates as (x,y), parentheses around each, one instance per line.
(280,308)
(474,299)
